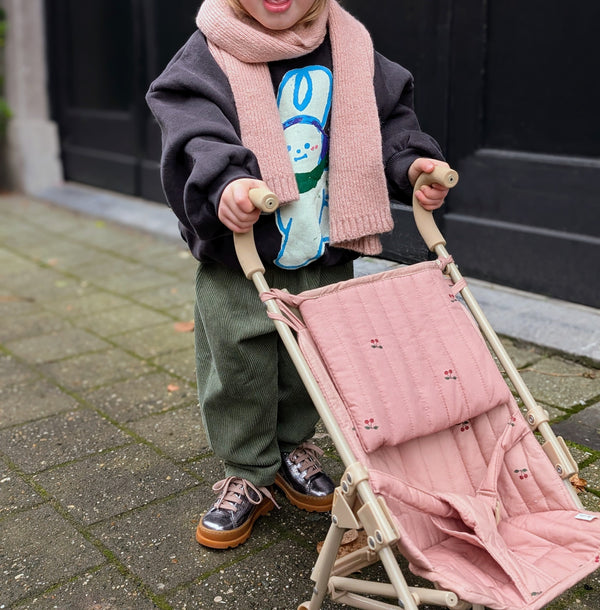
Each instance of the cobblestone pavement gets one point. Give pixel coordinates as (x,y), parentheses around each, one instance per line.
(104,466)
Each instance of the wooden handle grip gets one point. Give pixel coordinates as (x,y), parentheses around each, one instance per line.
(423,218)
(245,247)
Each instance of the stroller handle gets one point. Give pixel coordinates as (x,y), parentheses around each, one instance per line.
(423,218)
(267,201)
(264,199)
(245,247)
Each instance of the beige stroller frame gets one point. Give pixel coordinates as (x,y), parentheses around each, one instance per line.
(355,505)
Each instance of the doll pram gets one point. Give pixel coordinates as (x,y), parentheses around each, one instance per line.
(441,465)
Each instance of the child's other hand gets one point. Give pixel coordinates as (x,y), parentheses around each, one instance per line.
(430,197)
(236,211)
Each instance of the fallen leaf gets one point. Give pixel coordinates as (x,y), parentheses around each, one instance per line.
(578,483)
(172,387)
(352,540)
(11,298)
(184,327)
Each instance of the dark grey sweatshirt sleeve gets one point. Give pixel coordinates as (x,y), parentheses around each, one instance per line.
(201,147)
(403,140)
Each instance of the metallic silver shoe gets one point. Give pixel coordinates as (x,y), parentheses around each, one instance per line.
(230,520)
(302,480)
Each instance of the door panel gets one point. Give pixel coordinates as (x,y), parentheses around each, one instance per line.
(505,87)
(103,55)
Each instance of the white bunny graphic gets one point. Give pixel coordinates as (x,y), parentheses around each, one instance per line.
(304,101)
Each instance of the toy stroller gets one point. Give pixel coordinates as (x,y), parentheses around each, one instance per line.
(440,463)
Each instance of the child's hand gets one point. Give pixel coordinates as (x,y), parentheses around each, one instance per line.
(430,197)
(236,211)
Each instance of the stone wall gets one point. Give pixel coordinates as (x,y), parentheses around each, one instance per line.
(32,146)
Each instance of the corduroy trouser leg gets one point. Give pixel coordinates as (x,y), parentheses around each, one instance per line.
(253,402)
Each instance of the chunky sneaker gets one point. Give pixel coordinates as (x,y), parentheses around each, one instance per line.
(229,522)
(303,481)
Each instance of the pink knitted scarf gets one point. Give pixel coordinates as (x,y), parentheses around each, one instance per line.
(358,199)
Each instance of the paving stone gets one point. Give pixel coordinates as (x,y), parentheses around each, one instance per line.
(130,400)
(168,296)
(160,254)
(180,262)
(93,370)
(48,283)
(32,325)
(112,483)
(15,493)
(94,301)
(13,305)
(591,473)
(13,264)
(58,439)
(58,345)
(137,278)
(580,454)
(584,596)
(104,264)
(52,220)
(149,343)
(277,579)
(62,255)
(582,427)
(121,320)
(562,383)
(181,363)
(30,564)
(109,237)
(103,589)
(157,542)
(208,469)
(179,433)
(13,371)
(33,400)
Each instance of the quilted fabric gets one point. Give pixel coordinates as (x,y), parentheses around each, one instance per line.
(403,353)
(478,506)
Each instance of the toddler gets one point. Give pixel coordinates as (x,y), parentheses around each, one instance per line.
(291,95)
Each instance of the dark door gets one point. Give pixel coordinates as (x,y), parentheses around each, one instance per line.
(507,89)
(103,54)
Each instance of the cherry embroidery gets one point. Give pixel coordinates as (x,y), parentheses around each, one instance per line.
(370,424)
(522,473)
(449,374)
(375,344)
(465,425)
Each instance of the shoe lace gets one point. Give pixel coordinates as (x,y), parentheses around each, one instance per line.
(306,457)
(233,490)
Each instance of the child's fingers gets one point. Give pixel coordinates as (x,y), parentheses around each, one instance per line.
(236,211)
(431,197)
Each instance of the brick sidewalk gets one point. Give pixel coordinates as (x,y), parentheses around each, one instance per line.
(104,466)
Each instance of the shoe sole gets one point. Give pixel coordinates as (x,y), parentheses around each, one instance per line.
(312,504)
(231,538)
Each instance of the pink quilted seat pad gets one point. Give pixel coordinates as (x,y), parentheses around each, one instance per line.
(403,353)
(478,506)
(482,512)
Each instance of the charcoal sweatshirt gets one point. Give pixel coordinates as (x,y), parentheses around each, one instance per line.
(202,151)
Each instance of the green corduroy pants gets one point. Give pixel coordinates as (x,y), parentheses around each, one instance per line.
(253,403)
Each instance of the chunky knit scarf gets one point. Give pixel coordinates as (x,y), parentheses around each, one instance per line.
(358,199)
